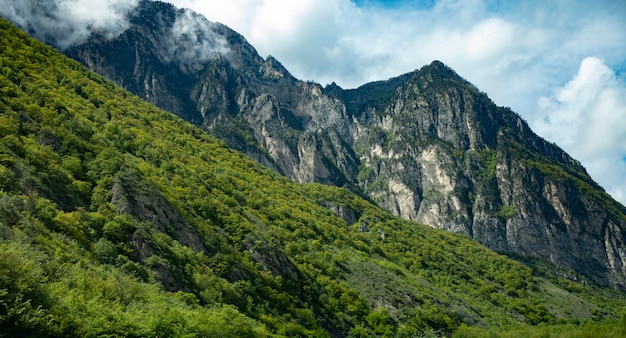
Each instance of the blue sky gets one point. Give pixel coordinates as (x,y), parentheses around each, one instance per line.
(561,64)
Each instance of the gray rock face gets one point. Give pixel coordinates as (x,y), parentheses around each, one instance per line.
(135,197)
(427,145)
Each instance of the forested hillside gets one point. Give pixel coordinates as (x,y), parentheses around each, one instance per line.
(119,219)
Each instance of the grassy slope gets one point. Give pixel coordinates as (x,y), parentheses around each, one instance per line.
(262,256)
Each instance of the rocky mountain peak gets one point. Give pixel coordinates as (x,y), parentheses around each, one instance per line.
(273,69)
(438,70)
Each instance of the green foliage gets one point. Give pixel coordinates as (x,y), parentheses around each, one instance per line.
(490,158)
(506,212)
(118,219)
(8,180)
(432,195)
(588,329)
(21,293)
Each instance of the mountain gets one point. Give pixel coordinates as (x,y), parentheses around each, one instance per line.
(119,219)
(427,146)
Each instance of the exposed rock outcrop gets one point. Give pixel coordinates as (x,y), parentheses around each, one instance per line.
(135,197)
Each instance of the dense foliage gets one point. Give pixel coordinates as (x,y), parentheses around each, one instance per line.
(117,218)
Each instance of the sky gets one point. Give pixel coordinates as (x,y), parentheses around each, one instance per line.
(560,64)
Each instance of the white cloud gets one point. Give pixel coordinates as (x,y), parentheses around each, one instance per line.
(489,38)
(587,117)
(192,40)
(66,22)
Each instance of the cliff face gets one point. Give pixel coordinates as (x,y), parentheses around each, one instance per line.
(427,145)
(441,153)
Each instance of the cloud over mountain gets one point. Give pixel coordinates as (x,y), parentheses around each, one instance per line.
(63,23)
(193,41)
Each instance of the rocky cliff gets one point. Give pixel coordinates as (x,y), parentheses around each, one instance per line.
(427,145)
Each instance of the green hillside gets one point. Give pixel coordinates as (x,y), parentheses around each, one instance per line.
(118,219)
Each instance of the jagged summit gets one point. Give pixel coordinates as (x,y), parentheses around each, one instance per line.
(441,69)
(426,145)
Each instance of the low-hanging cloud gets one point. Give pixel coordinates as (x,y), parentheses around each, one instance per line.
(63,23)
(192,40)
